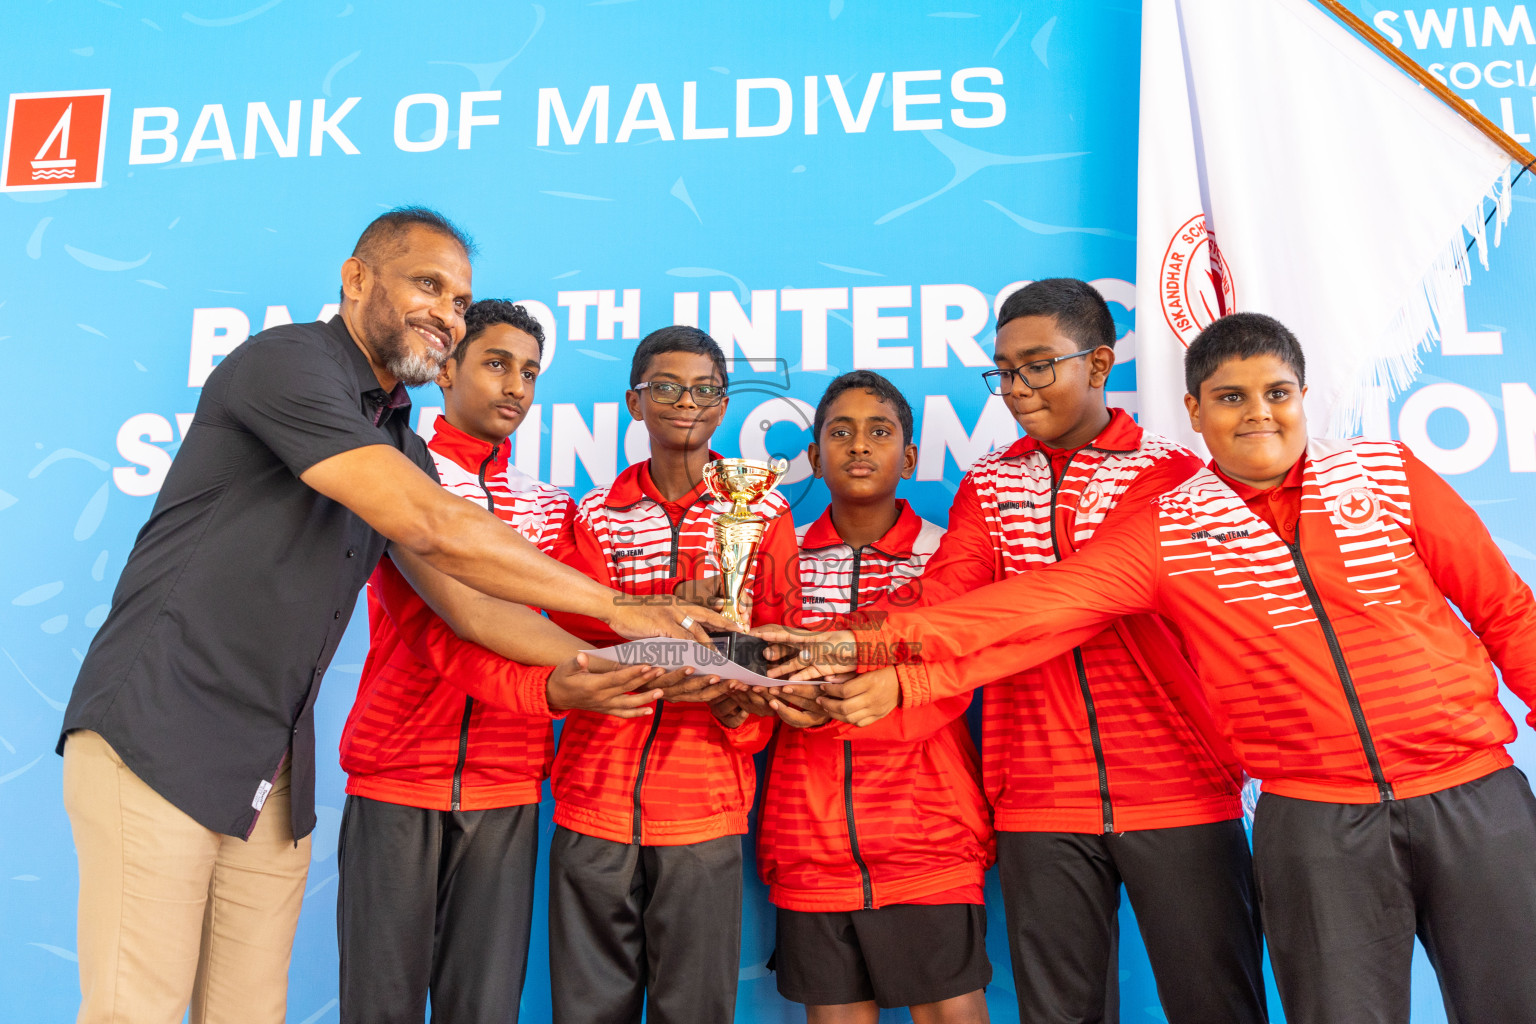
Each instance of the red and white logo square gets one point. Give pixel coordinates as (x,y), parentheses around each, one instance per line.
(55,140)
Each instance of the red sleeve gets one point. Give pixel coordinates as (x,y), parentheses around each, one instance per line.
(523,689)
(910,725)
(1475,576)
(1150,484)
(1034,611)
(776,581)
(967,557)
(582,552)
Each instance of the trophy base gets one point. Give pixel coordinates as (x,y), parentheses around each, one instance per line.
(742,649)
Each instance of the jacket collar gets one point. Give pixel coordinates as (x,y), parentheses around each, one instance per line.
(1294,477)
(1120,435)
(896,543)
(468,451)
(634,486)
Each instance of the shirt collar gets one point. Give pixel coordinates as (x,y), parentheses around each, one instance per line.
(635,484)
(1120,434)
(466,450)
(379,402)
(1293,478)
(895,543)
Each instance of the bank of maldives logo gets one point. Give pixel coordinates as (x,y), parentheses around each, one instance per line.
(55,140)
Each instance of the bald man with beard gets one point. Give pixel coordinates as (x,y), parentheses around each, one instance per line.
(188,742)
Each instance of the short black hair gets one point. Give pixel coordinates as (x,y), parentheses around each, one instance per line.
(1079,310)
(486,313)
(677,338)
(384,238)
(1241,336)
(876,385)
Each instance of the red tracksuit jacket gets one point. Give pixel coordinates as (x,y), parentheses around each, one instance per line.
(677,776)
(861,818)
(441,723)
(1334,665)
(1113,734)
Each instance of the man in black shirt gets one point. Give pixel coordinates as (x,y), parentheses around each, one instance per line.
(189,741)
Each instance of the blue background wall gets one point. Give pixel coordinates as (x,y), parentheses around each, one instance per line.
(115,298)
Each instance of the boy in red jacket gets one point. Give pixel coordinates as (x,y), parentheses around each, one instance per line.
(873,843)
(645,874)
(1311,581)
(1097,767)
(447,744)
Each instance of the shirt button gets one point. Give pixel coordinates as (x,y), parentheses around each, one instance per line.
(337,615)
(351,552)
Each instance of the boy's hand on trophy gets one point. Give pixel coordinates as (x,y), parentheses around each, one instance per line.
(800,656)
(864,699)
(728,710)
(684,685)
(595,684)
(794,710)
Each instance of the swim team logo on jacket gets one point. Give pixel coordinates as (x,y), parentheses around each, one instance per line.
(677,776)
(890,813)
(1335,666)
(440,723)
(1112,735)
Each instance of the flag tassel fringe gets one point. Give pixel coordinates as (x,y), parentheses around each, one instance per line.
(1398,353)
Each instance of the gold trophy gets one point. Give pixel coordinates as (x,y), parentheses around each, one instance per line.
(738,534)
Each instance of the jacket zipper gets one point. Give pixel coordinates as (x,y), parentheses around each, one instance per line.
(1082,677)
(469,702)
(1383,787)
(650,739)
(853,829)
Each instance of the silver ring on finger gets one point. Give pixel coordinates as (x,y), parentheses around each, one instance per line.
(687,622)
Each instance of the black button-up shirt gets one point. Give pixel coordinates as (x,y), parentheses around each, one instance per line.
(204,676)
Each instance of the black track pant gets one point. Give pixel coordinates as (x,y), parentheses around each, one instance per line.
(652,926)
(434,901)
(1346,887)
(1192,890)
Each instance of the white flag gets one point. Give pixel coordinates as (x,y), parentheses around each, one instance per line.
(1287,168)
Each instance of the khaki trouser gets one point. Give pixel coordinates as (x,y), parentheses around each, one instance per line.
(171,913)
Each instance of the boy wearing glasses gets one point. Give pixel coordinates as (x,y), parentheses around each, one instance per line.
(645,879)
(1097,763)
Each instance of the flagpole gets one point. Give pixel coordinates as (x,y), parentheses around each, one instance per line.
(1499,137)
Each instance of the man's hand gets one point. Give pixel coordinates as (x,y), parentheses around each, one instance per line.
(683,621)
(805,656)
(709,592)
(587,683)
(683,685)
(863,700)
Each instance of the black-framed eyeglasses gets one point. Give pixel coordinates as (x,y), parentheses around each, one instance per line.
(664,392)
(1039,374)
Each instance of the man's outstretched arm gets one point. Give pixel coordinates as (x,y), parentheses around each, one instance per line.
(460,539)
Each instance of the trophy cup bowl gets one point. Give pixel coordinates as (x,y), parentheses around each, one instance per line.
(738,534)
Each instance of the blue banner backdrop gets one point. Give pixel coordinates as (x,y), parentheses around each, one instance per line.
(822,186)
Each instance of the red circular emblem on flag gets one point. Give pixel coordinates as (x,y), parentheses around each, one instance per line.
(1356,508)
(1195,284)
